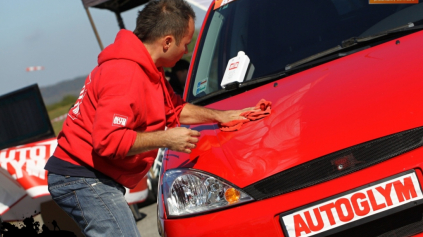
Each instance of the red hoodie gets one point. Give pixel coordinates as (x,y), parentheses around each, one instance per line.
(122,95)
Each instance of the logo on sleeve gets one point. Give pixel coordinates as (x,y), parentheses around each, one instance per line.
(119,120)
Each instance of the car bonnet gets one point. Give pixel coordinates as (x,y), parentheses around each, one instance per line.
(336,105)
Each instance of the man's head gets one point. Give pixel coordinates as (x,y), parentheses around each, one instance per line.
(167,25)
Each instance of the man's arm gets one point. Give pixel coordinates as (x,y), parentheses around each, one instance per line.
(176,139)
(180,138)
(192,114)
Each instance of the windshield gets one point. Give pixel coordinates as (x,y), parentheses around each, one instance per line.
(276,33)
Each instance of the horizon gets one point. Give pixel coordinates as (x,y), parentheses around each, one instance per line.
(57,36)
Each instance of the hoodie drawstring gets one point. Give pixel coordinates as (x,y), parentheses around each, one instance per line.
(169,100)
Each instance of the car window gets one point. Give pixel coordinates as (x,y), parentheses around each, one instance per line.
(276,33)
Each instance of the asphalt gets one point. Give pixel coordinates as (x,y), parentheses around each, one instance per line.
(148,224)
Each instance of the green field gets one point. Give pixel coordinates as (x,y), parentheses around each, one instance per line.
(58,109)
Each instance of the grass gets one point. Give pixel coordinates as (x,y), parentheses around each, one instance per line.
(58,109)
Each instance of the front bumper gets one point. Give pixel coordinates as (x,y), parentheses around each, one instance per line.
(262,218)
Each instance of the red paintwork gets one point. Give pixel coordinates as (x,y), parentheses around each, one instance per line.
(261,218)
(367,95)
(351,100)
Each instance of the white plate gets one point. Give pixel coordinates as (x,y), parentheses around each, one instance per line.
(350,207)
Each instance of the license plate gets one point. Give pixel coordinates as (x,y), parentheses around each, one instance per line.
(363,204)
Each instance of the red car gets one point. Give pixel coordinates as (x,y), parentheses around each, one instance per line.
(339,155)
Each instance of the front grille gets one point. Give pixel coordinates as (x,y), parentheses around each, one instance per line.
(405,223)
(337,164)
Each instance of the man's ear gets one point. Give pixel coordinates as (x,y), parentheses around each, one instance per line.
(167,41)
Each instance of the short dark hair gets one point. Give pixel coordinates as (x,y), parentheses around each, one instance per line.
(163,17)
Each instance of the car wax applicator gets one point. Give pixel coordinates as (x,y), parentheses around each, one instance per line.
(235,125)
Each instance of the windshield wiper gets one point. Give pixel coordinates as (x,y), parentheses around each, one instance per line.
(354,41)
(314,57)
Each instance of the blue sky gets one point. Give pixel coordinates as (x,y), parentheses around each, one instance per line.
(57,35)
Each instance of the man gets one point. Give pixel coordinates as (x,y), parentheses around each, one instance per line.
(178,76)
(111,135)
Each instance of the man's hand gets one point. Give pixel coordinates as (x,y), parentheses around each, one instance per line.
(230,115)
(181,139)
(176,139)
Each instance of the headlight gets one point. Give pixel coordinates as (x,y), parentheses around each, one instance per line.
(188,191)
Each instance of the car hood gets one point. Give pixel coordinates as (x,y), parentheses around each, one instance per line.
(348,101)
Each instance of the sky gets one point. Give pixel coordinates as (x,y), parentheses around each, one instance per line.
(57,35)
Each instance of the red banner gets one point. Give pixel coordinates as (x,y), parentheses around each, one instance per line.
(26,165)
(23,179)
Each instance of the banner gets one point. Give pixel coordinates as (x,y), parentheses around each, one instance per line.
(23,180)
(26,165)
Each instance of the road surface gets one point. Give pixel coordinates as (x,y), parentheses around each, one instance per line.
(148,224)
